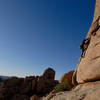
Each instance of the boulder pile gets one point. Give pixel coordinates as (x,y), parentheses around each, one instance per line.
(23,88)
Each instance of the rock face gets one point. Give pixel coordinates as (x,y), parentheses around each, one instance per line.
(86,91)
(34,97)
(45,83)
(88,68)
(68,77)
(49,74)
(23,88)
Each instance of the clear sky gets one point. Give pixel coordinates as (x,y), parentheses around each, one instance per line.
(37,34)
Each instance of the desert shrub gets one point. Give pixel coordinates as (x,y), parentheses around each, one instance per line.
(61,87)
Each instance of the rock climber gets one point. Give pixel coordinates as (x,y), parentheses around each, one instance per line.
(84,46)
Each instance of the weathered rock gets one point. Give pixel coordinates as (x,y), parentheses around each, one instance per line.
(49,74)
(87,91)
(20,97)
(68,77)
(88,68)
(46,82)
(29,85)
(13,82)
(34,97)
(40,84)
(23,88)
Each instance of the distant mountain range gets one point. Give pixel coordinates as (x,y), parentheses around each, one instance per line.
(5,77)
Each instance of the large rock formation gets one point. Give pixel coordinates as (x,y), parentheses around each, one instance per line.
(88,68)
(67,77)
(45,83)
(87,91)
(23,88)
(34,97)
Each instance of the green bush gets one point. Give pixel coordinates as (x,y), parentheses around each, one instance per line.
(61,87)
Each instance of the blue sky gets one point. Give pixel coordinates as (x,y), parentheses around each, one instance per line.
(37,34)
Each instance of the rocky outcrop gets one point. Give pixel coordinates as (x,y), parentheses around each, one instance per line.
(34,97)
(86,77)
(45,83)
(49,74)
(88,68)
(86,91)
(23,88)
(67,77)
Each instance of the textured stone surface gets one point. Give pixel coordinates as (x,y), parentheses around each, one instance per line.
(49,74)
(88,68)
(87,91)
(34,97)
(46,83)
(68,77)
(23,88)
